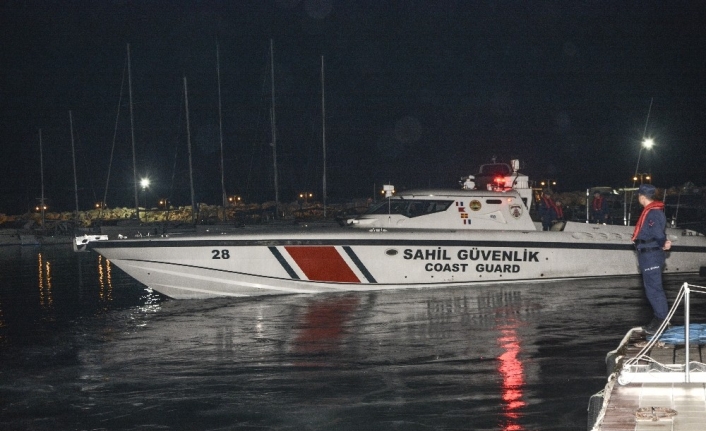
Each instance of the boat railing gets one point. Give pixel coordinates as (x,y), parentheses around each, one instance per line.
(641,368)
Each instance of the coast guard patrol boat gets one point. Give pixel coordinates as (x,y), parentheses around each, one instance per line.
(415,239)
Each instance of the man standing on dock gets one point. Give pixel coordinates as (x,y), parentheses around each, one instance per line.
(651,243)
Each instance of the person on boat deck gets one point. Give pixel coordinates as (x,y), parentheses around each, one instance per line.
(559,210)
(469,183)
(548,210)
(651,244)
(599,209)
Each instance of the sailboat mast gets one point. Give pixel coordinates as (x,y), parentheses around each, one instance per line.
(274,127)
(188,141)
(41,174)
(323,129)
(73,159)
(112,148)
(132,133)
(220,130)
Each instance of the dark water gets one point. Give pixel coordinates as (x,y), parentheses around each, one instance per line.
(83,346)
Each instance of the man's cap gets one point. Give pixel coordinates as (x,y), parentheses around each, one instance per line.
(647,190)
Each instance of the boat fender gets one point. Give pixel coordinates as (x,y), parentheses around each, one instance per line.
(595,404)
(611,362)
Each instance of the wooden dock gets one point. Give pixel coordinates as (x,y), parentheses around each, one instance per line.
(652,394)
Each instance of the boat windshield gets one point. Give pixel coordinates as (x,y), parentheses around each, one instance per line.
(409,207)
(495,169)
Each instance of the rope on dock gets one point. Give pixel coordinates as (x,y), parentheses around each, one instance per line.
(642,355)
(654,413)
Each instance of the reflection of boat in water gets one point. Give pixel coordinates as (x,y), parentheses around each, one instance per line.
(417,239)
(370,355)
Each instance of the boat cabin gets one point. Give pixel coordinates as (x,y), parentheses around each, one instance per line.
(499,200)
(450,209)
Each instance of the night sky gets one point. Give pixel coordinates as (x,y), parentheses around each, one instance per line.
(418,93)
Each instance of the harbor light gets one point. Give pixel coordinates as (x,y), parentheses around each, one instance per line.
(164,203)
(234,200)
(305,196)
(145,184)
(388,190)
(642,178)
(647,143)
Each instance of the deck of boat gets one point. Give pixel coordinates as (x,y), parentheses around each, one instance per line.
(655,406)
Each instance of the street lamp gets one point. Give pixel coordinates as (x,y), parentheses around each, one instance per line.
(548,183)
(305,196)
(647,143)
(145,183)
(234,200)
(642,178)
(388,190)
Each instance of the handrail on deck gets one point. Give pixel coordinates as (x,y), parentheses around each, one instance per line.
(685,294)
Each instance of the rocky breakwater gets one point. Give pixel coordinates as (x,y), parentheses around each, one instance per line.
(64,222)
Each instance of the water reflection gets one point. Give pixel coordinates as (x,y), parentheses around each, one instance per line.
(322,325)
(2,325)
(480,357)
(351,356)
(43,287)
(151,302)
(105,280)
(512,372)
(46,298)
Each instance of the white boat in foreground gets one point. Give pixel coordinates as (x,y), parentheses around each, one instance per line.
(420,239)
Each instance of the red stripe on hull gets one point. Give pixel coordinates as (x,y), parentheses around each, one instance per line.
(322,264)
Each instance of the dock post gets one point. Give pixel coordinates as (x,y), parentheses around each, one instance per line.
(686,331)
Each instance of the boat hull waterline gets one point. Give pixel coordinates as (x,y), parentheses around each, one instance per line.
(334,260)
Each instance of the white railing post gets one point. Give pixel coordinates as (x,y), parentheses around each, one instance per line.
(686,329)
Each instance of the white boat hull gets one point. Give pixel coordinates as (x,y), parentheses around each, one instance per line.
(328,260)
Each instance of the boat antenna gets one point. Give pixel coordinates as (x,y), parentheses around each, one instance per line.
(676,212)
